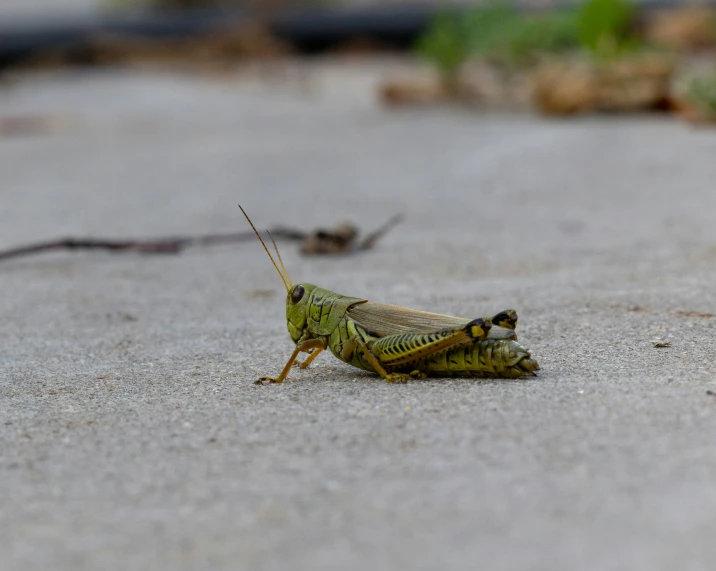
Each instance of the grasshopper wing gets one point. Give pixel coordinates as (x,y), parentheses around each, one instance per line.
(381,319)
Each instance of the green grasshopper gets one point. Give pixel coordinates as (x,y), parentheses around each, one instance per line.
(396,342)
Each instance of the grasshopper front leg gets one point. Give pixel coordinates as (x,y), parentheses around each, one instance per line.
(317,344)
(309,359)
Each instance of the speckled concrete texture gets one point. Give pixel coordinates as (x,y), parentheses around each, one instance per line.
(132,435)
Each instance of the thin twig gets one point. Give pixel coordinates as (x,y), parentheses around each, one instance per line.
(177,244)
(368,242)
(167,245)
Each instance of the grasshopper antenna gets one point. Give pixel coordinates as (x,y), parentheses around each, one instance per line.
(275,247)
(286,283)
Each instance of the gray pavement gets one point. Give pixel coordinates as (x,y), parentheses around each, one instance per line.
(132,437)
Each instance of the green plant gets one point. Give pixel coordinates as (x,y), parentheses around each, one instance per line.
(554,31)
(494,28)
(702,91)
(604,27)
(498,32)
(446,44)
(525,37)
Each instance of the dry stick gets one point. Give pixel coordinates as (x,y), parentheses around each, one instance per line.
(174,245)
(171,245)
(373,237)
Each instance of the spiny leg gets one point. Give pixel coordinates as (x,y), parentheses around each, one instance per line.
(406,348)
(389,377)
(300,346)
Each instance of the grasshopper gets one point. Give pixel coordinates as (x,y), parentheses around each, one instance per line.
(396,342)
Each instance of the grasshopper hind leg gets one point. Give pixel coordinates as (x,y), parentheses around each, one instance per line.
(403,350)
(401,353)
(506,319)
(357,342)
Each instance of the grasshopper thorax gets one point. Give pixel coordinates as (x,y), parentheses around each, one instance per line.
(297,301)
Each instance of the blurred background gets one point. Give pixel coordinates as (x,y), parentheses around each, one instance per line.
(555,158)
(557,58)
(65,64)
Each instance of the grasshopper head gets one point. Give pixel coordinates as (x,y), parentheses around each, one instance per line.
(297,308)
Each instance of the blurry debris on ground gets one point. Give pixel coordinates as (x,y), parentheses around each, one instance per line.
(697,314)
(695,97)
(19,125)
(479,84)
(362,46)
(223,47)
(685,27)
(629,84)
(558,87)
(342,239)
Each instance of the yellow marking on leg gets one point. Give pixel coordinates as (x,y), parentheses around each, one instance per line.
(389,377)
(390,349)
(405,348)
(506,319)
(477,331)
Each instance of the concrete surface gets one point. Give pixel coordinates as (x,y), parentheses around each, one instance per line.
(132,437)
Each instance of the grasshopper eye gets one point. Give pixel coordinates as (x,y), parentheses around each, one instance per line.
(297,294)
